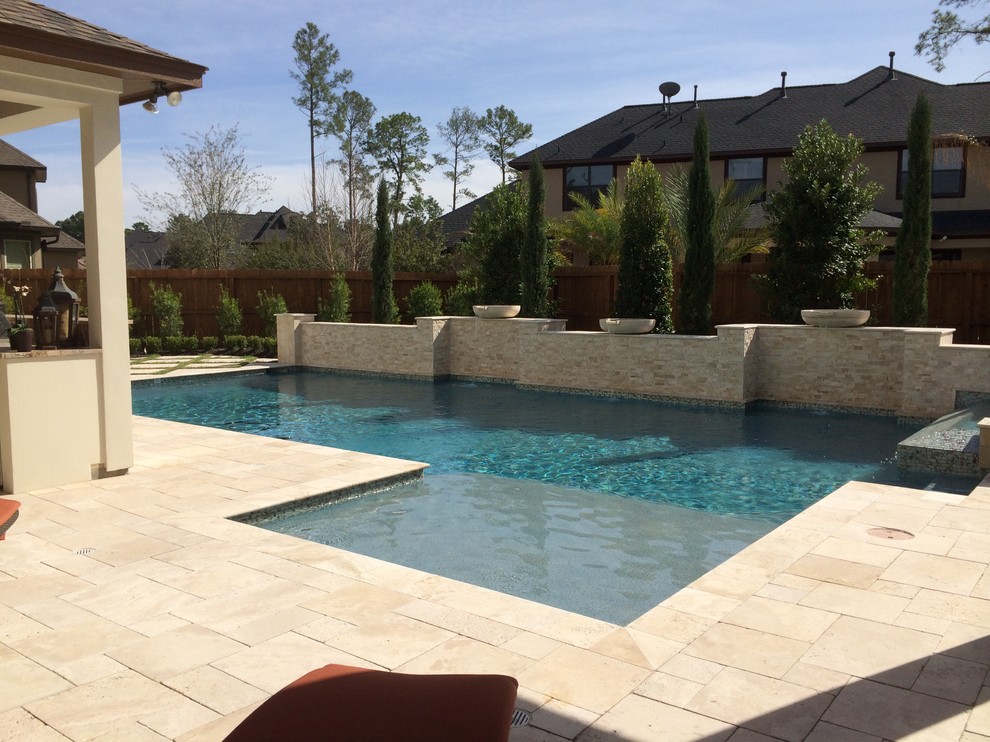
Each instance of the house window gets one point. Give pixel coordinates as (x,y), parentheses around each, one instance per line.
(588,180)
(747,173)
(16,254)
(948,172)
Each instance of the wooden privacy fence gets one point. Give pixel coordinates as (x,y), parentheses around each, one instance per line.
(958,294)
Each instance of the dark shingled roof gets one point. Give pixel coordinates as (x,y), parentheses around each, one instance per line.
(144,249)
(14,214)
(874,106)
(10,156)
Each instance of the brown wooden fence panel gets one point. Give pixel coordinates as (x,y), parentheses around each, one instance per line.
(958,294)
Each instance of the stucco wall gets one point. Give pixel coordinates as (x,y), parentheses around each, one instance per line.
(50,421)
(909,372)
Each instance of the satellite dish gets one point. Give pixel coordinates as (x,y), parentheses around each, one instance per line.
(669,89)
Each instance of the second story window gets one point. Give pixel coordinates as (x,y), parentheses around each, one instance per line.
(588,180)
(747,173)
(948,172)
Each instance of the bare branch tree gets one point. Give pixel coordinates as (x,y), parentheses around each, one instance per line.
(215,185)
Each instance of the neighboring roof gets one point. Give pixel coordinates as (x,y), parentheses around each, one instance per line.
(14,215)
(65,242)
(456,223)
(145,249)
(874,106)
(756,217)
(11,157)
(40,34)
(264,225)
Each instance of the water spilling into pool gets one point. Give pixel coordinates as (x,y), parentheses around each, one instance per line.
(601,506)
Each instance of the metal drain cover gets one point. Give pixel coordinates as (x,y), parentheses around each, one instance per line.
(520,718)
(893,534)
(84,551)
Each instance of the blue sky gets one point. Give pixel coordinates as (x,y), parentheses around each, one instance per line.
(557,64)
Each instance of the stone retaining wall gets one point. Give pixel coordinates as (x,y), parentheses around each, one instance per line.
(908,372)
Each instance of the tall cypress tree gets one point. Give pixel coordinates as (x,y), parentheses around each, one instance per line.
(912,251)
(383,307)
(695,299)
(533,271)
(646,277)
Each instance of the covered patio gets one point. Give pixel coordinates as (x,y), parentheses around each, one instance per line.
(56,68)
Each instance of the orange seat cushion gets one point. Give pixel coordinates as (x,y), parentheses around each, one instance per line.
(8,513)
(352,704)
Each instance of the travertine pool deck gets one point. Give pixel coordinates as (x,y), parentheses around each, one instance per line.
(131,608)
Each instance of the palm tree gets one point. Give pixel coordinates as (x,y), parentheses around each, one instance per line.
(594,229)
(733,237)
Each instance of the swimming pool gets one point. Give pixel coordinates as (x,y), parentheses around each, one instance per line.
(517,494)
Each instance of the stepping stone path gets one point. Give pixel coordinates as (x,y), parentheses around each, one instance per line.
(198,364)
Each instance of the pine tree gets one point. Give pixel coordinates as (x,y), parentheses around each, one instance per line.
(695,299)
(534,270)
(912,251)
(646,277)
(384,310)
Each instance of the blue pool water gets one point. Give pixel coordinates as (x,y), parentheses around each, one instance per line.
(601,506)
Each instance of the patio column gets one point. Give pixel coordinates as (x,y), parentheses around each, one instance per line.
(106,273)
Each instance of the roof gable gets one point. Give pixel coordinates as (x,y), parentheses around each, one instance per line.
(874,106)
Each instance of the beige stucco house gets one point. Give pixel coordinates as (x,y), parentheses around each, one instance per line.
(751,136)
(65,416)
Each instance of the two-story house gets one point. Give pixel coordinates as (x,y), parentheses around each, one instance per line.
(750,137)
(26,239)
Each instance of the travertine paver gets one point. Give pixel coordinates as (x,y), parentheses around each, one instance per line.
(131,608)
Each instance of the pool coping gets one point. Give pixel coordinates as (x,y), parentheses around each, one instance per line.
(733,650)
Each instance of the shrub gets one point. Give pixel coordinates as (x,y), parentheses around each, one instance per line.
(166,308)
(229,315)
(819,248)
(268,306)
(173,345)
(269,346)
(497,230)
(8,301)
(137,346)
(337,307)
(209,343)
(425,300)
(134,315)
(460,299)
(190,345)
(646,279)
(253,344)
(234,343)
(153,345)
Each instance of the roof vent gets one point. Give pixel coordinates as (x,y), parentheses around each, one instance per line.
(667,91)
(783,84)
(891,75)
(695,96)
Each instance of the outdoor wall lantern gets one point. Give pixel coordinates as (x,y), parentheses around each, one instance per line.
(46,321)
(67,302)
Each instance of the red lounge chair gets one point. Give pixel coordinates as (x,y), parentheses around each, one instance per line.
(8,514)
(352,704)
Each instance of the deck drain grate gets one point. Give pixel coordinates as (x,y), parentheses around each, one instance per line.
(84,551)
(520,718)
(893,534)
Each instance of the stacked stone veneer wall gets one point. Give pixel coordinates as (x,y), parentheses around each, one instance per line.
(908,372)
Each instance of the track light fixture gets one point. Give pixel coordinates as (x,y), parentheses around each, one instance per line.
(174,98)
